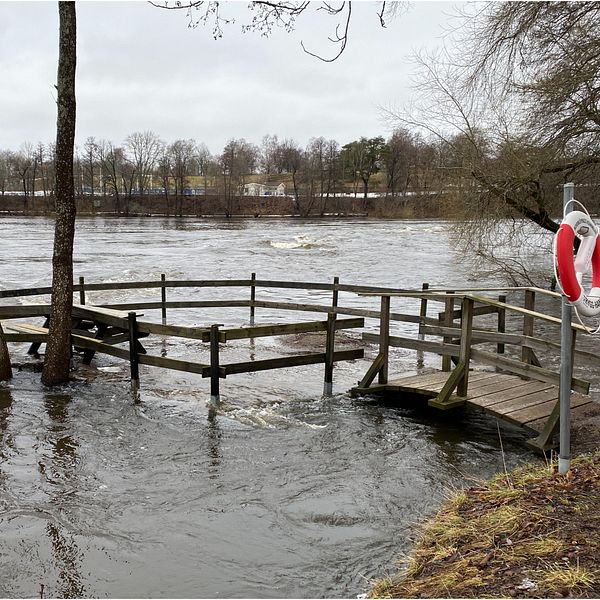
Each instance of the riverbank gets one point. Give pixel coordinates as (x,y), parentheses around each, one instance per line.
(418,206)
(529,533)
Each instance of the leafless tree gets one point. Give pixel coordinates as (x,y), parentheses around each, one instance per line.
(164,172)
(58,349)
(183,154)
(112,160)
(46,161)
(90,157)
(399,157)
(514,113)
(290,158)
(204,160)
(143,148)
(238,159)
(5,170)
(23,167)
(268,153)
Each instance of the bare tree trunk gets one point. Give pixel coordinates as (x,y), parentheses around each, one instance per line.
(58,349)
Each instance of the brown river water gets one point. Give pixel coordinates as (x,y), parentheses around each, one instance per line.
(282,493)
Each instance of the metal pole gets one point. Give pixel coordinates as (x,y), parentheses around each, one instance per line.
(566,365)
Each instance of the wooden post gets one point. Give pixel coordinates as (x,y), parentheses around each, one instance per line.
(163,299)
(329,350)
(82,290)
(252,298)
(384,338)
(423,311)
(215,397)
(466,327)
(5,366)
(448,321)
(526,353)
(335,294)
(134,364)
(501,323)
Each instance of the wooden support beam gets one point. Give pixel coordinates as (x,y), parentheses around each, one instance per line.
(252,298)
(528,324)
(501,323)
(82,290)
(371,373)
(5,366)
(335,294)
(329,354)
(384,338)
(448,320)
(163,299)
(423,312)
(215,396)
(543,441)
(133,352)
(444,400)
(465,343)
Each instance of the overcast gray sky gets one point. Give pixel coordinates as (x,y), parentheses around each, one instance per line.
(141,67)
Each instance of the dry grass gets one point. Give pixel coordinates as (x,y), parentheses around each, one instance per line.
(528,533)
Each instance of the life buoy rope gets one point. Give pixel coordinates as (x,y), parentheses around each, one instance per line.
(571,269)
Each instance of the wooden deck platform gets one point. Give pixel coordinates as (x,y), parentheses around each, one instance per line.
(526,403)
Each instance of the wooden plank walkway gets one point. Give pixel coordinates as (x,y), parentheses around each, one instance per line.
(525,403)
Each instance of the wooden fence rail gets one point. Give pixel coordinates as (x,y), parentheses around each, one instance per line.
(459,339)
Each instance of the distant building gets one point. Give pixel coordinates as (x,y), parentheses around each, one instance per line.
(262,189)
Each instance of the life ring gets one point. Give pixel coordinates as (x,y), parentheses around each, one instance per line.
(572,269)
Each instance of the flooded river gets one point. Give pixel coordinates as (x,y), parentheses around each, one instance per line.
(283,493)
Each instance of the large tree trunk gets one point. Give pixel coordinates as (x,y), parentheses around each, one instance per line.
(58,350)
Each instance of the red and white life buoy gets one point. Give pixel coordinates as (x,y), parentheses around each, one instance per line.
(572,269)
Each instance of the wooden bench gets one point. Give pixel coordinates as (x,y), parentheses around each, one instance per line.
(25,332)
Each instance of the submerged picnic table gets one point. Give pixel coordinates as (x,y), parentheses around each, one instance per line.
(90,324)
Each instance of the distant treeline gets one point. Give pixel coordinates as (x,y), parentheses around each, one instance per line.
(216,206)
(147,175)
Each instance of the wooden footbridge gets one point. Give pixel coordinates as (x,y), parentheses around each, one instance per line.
(491,359)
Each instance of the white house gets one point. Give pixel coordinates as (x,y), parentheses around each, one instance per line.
(262,189)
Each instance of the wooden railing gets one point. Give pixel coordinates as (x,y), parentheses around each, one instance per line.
(459,342)
(457,335)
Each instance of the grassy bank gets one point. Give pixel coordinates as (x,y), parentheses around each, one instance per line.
(531,533)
